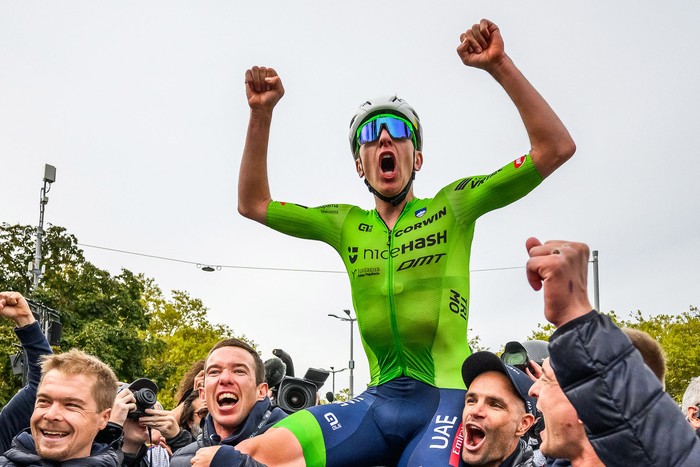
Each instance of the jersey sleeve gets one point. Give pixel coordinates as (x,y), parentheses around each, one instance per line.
(323,223)
(474,196)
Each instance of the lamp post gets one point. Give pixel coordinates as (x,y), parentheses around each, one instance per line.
(49,178)
(351,364)
(333,372)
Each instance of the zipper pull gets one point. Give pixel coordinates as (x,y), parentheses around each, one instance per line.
(388,239)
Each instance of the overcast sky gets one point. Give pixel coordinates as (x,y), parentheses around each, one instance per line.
(141,107)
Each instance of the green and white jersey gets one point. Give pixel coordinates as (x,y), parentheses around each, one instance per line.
(410,285)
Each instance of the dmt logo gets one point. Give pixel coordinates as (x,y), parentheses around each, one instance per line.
(333,421)
(364,228)
(422,261)
(421,212)
(353,254)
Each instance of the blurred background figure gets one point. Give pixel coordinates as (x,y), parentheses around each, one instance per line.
(691,404)
(652,352)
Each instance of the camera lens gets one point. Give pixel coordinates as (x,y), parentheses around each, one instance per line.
(518,359)
(296,394)
(145,398)
(297,399)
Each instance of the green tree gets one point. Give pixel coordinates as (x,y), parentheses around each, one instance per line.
(342,396)
(475,342)
(677,335)
(124,320)
(180,334)
(100,313)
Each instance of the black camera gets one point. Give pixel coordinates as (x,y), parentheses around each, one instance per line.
(144,391)
(289,393)
(295,394)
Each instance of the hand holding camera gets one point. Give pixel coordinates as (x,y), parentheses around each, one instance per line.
(132,400)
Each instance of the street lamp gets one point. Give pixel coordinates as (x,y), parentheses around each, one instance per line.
(351,364)
(49,178)
(333,372)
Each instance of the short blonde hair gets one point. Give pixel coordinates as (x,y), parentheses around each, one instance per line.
(77,362)
(652,352)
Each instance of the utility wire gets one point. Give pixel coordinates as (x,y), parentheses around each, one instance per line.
(260,268)
(200,264)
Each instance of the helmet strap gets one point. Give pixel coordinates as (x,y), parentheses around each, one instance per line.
(396,199)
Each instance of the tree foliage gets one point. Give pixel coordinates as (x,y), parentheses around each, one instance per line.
(677,334)
(124,319)
(181,333)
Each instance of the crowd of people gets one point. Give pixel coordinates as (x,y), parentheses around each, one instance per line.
(593,399)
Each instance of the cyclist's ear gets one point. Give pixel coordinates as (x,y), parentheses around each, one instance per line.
(358,167)
(418,161)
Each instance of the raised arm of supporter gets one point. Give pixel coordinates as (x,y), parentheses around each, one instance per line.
(14,307)
(561,267)
(16,414)
(550,143)
(263,90)
(621,403)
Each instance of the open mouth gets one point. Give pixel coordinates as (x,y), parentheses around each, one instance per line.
(53,435)
(474,436)
(387,163)
(227,399)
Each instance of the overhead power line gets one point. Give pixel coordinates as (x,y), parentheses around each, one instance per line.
(204,265)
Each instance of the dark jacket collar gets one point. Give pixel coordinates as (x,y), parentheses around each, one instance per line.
(261,417)
(23,452)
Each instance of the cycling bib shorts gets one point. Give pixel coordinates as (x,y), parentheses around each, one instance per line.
(410,284)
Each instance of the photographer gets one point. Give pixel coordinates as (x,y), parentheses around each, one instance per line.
(235,392)
(144,422)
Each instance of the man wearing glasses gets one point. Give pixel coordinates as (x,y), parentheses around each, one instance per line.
(408,265)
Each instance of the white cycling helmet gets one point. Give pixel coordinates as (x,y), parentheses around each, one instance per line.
(380,105)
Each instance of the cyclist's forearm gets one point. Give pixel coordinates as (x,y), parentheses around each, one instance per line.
(551,144)
(253,185)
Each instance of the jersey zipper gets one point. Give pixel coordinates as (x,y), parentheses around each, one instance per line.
(398,345)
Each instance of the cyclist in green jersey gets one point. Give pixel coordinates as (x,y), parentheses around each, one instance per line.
(408,263)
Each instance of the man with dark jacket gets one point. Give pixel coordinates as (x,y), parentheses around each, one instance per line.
(235,392)
(629,419)
(16,414)
(498,411)
(73,402)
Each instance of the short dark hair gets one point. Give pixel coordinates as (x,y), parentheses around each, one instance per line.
(233,342)
(186,385)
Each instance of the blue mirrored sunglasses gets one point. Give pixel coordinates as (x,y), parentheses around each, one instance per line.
(397,127)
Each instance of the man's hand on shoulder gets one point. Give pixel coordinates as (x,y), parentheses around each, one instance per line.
(204,456)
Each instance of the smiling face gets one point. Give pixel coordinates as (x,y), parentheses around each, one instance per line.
(65,419)
(388,163)
(230,390)
(494,419)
